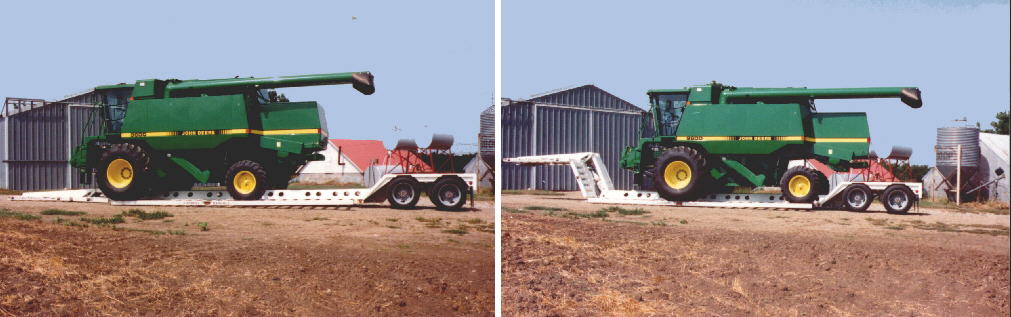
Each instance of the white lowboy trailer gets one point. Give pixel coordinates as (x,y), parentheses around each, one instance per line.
(595,185)
(385,189)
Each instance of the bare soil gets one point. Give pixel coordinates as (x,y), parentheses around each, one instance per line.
(561,258)
(249,261)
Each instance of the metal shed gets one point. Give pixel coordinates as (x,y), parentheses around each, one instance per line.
(37,138)
(581,119)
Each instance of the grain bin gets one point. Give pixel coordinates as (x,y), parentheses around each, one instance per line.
(948,140)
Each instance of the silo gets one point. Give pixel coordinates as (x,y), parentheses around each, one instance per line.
(948,140)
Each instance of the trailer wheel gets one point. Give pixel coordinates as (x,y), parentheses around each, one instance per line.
(801,184)
(448,193)
(124,172)
(679,174)
(246,180)
(403,193)
(857,197)
(897,199)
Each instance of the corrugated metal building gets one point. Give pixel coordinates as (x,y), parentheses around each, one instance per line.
(37,138)
(581,119)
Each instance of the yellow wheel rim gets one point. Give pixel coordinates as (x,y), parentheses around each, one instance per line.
(244,182)
(119,173)
(677,174)
(799,185)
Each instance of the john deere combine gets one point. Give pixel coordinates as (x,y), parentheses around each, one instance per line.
(160,135)
(711,138)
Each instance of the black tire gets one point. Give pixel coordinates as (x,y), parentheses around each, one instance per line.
(857,197)
(133,180)
(674,184)
(898,199)
(403,192)
(807,182)
(252,183)
(448,193)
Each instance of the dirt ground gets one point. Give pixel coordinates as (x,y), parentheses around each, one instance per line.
(248,261)
(561,257)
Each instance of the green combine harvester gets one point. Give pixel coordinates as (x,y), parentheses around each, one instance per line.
(162,135)
(712,138)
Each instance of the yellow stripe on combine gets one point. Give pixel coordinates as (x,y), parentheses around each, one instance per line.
(773,138)
(218,132)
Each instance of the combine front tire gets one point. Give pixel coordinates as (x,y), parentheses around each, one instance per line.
(897,199)
(801,184)
(246,180)
(403,193)
(449,193)
(124,172)
(679,174)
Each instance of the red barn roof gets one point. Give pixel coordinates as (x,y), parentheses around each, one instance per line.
(365,153)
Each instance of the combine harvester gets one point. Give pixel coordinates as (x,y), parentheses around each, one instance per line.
(159,137)
(710,139)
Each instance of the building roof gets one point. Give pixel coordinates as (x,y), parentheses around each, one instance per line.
(586,96)
(362,152)
(365,153)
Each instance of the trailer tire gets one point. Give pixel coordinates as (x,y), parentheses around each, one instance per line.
(801,184)
(403,192)
(448,193)
(897,199)
(857,197)
(124,172)
(679,174)
(246,180)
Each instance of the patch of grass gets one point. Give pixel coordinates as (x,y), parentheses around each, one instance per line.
(403,246)
(531,192)
(318,219)
(877,221)
(461,230)
(392,219)
(684,222)
(659,223)
(994,230)
(393,227)
(7,213)
(69,223)
(626,221)
(991,207)
(374,222)
(544,208)
(177,232)
(623,211)
(62,212)
(474,221)
(431,222)
(514,210)
(900,227)
(103,221)
(144,215)
(203,226)
(576,215)
(155,232)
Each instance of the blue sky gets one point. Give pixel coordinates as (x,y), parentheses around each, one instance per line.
(433,61)
(956,52)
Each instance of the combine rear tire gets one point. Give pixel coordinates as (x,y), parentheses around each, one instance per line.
(857,197)
(403,193)
(897,199)
(124,172)
(679,174)
(801,184)
(246,180)
(449,193)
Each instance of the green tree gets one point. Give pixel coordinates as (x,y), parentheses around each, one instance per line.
(1001,125)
